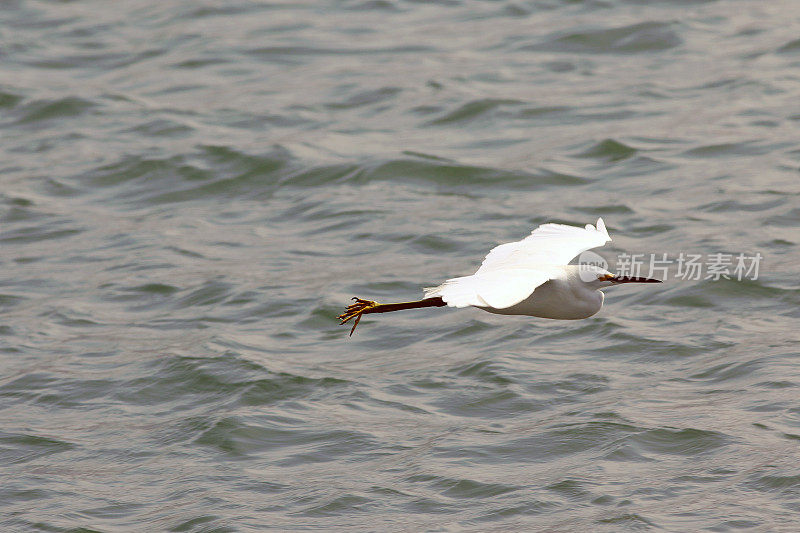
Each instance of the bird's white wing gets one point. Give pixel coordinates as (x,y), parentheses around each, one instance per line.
(549,244)
(490,289)
(512,271)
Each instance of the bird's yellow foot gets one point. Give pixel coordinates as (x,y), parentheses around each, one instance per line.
(355,310)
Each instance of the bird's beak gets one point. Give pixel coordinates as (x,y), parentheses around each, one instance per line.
(633,279)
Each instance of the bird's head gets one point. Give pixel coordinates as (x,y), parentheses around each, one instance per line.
(598,277)
(608,279)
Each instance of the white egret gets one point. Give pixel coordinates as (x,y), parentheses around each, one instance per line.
(528,277)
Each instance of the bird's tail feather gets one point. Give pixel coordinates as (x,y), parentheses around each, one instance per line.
(458,292)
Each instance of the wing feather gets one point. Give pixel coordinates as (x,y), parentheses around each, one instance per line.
(549,244)
(512,271)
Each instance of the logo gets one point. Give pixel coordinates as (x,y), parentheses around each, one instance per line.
(586,261)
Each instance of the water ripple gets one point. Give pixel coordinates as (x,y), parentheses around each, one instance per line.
(191,193)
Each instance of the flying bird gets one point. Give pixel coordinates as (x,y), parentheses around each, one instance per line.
(529,277)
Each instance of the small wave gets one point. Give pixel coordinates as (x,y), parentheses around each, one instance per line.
(40,112)
(667,441)
(215,172)
(792,47)
(729,149)
(636,38)
(365,98)
(288,444)
(9,100)
(25,447)
(462,488)
(458,176)
(609,150)
(473,111)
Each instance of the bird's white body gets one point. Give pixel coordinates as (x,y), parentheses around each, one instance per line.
(566,297)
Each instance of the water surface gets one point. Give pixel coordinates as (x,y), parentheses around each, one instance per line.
(191,193)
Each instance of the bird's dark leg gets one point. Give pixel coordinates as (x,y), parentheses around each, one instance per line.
(365,307)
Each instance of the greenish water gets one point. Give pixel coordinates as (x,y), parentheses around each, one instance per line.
(192,191)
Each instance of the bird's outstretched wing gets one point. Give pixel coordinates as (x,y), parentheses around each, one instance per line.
(512,271)
(549,244)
